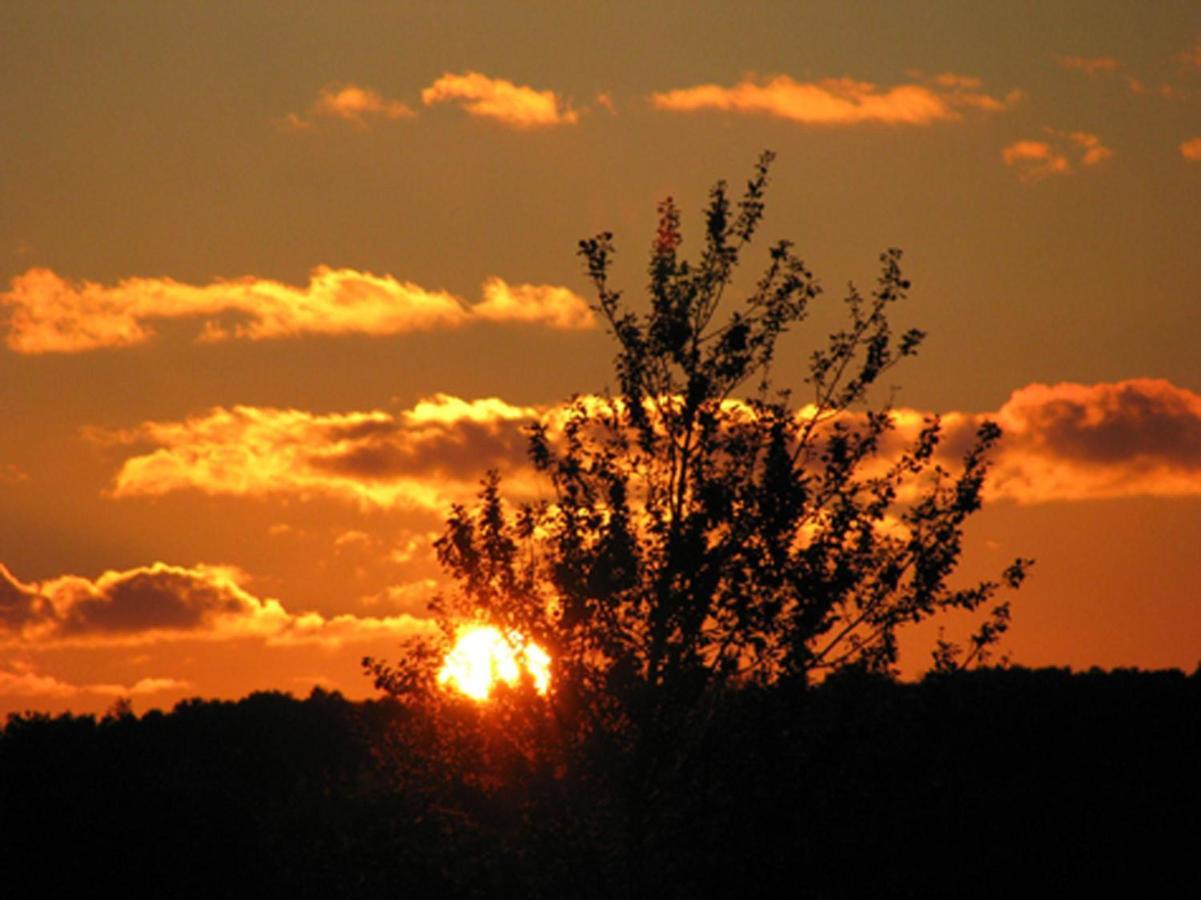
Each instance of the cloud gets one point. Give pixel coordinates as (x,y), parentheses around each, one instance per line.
(413,596)
(1140,437)
(1066,442)
(1089,65)
(515,105)
(1092,150)
(1037,159)
(1074,442)
(838,101)
(349,103)
(546,304)
(1191,149)
(21,680)
(49,314)
(423,458)
(162,602)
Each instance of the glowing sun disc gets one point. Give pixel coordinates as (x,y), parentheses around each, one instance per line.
(483,656)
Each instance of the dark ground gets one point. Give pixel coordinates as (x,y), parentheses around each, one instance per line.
(991,783)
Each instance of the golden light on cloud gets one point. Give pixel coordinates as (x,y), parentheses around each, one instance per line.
(838,101)
(518,106)
(429,456)
(350,103)
(162,603)
(51,314)
(483,657)
(1191,150)
(425,457)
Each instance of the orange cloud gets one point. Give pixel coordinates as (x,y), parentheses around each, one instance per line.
(350,103)
(838,101)
(1070,442)
(1076,442)
(162,602)
(23,681)
(546,304)
(1067,442)
(49,314)
(1191,149)
(1035,160)
(1092,150)
(425,458)
(515,105)
(1089,65)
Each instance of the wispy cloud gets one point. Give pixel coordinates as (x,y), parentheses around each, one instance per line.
(517,106)
(49,314)
(348,103)
(161,602)
(839,101)
(22,680)
(1037,159)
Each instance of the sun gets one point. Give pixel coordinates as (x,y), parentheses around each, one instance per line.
(483,655)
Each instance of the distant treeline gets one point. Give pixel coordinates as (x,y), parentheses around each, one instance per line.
(1008,782)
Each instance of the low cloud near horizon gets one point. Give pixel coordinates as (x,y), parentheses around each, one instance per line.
(162,602)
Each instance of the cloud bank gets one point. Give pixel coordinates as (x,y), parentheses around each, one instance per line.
(1064,442)
(50,314)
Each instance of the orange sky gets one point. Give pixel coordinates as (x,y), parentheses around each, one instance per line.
(276,289)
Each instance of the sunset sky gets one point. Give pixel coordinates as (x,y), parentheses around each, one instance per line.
(279,282)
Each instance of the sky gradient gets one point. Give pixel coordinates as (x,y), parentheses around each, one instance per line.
(279,283)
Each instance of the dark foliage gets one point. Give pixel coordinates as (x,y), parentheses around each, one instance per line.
(707,538)
(984,783)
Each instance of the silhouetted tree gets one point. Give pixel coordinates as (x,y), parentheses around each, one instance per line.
(706,531)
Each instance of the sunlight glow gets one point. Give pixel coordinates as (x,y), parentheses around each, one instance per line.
(482,656)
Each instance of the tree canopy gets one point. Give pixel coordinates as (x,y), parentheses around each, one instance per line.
(704,528)
(707,529)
